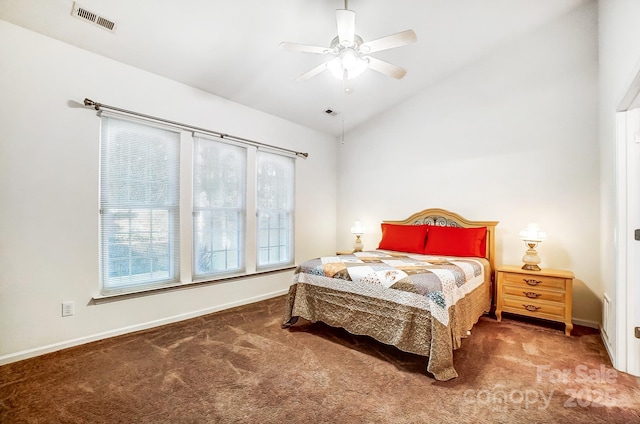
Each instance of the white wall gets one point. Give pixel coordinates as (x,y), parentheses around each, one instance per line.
(49,192)
(512,138)
(619,52)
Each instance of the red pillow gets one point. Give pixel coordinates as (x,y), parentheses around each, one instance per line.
(456,241)
(403,238)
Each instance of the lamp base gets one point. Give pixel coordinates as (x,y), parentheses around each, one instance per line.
(531,259)
(357,245)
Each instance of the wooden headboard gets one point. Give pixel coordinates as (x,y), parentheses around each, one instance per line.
(444,218)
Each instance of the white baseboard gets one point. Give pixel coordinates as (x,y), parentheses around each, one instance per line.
(30,353)
(587,323)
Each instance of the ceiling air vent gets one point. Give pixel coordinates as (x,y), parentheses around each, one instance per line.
(331,112)
(86,15)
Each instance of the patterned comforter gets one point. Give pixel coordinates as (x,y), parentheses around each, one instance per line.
(420,304)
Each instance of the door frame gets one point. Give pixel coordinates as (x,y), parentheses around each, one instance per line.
(627,347)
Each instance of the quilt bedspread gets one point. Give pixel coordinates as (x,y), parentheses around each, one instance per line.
(439,282)
(420,304)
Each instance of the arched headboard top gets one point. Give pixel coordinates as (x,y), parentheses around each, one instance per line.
(443,217)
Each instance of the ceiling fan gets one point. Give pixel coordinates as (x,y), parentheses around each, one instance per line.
(350,54)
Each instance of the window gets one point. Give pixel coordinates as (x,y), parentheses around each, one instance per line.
(139,198)
(144,232)
(275,209)
(218,207)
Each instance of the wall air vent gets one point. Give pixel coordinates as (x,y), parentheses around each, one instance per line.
(88,16)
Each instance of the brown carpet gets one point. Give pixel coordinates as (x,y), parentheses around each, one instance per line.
(240,366)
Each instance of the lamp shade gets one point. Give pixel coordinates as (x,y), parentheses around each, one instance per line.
(357,228)
(533,233)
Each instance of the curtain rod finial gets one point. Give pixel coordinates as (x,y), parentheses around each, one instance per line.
(88,102)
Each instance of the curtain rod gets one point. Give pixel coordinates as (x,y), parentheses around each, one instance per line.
(97,106)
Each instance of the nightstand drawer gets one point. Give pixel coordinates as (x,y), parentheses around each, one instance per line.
(533,293)
(539,281)
(533,308)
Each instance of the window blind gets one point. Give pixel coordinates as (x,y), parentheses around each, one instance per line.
(275,209)
(219,207)
(139,205)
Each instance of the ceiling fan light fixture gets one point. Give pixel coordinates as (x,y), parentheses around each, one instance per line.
(348,61)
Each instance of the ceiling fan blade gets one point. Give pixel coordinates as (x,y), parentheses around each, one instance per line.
(312,72)
(386,68)
(389,42)
(346,22)
(293,47)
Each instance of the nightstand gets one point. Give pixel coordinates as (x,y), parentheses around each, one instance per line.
(542,294)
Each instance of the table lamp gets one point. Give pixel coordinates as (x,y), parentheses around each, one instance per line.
(532,235)
(357,230)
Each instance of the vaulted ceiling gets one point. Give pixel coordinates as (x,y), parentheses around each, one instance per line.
(231,48)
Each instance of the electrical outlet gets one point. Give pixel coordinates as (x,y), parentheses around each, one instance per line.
(67,309)
(637,332)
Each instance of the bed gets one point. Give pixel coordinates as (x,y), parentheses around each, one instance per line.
(421,291)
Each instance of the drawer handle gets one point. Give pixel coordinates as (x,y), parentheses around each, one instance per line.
(532,282)
(532,308)
(532,295)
